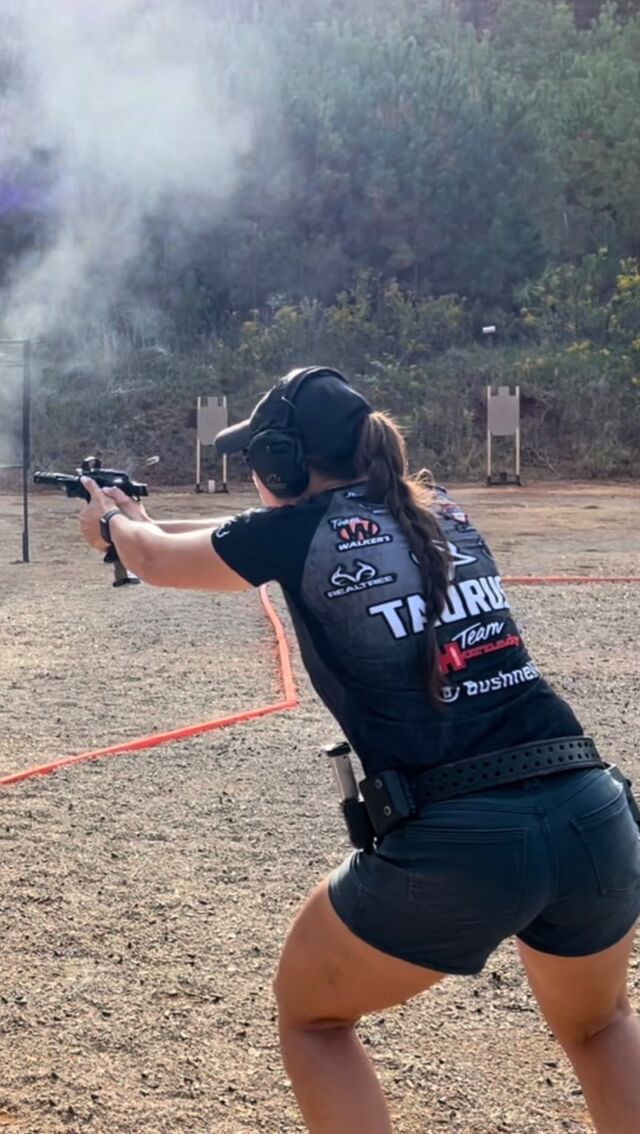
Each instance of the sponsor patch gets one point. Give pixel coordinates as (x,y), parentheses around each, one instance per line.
(452,658)
(502,680)
(457,558)
(466,599)
(362,577)
(359,495)
(454,512)
(450,693)
(355,532)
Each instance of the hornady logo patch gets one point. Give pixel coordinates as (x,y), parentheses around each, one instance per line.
(361,577)
(358,531)
(474,642)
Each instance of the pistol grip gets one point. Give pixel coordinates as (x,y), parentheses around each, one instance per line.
(122,577)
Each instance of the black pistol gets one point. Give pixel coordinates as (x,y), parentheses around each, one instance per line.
(104,478)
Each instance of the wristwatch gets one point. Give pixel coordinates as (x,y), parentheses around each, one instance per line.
(104,524)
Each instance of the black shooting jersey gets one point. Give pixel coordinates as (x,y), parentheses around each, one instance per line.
(353,588)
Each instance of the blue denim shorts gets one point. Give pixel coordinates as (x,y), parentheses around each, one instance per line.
(555,861)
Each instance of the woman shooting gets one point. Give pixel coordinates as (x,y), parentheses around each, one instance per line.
(488,813)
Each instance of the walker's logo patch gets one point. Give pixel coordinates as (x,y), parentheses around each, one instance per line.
(358,531)
(361,577)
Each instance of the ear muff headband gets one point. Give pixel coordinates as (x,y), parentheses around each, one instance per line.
(297,378)
(276,453)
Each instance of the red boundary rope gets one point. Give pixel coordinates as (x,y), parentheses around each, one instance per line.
(566,580)
(290,699)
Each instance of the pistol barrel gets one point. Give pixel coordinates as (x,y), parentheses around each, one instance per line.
(71,484)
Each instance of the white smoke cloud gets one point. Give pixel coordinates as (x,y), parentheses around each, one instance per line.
(116,110)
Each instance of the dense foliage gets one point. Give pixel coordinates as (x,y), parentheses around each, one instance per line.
(399,140)
(419,168)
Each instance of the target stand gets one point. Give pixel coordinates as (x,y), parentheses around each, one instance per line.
(212,415)
(503,420)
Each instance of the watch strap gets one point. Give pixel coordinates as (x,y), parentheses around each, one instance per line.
(105,522)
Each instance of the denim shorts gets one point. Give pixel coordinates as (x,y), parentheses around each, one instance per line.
(554,860)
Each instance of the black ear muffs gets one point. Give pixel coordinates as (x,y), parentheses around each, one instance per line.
(276,453)
(277,458)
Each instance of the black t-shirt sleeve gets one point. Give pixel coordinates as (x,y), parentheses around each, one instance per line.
(267,545)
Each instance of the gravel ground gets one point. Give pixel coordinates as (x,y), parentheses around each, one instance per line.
(145,897)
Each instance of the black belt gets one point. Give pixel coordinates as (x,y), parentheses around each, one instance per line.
(507,766)
(392,797)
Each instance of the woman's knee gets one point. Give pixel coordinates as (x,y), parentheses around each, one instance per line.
(585,1029)
(280,987)
(289,997)
(298,1011)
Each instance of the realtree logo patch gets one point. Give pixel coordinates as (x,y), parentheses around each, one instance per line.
(362,577)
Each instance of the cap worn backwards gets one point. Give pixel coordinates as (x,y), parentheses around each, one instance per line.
(318,404)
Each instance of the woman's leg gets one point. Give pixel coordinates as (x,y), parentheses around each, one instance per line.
(584,1001)
(327,979)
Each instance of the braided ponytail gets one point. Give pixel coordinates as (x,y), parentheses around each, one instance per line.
(381,458)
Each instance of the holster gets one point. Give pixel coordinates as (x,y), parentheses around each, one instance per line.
(385,800)
(385,804)
(359,827)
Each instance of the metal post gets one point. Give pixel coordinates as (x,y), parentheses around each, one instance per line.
(489,453)
(489,332)
(198,447)
(518,477)
(26,445)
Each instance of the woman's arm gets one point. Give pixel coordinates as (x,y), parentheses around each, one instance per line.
(186,560)
(136,511)
(182,527)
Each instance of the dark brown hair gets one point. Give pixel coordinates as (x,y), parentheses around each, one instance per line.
(381,460)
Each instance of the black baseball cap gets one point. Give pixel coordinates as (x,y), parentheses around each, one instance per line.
(317,402)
